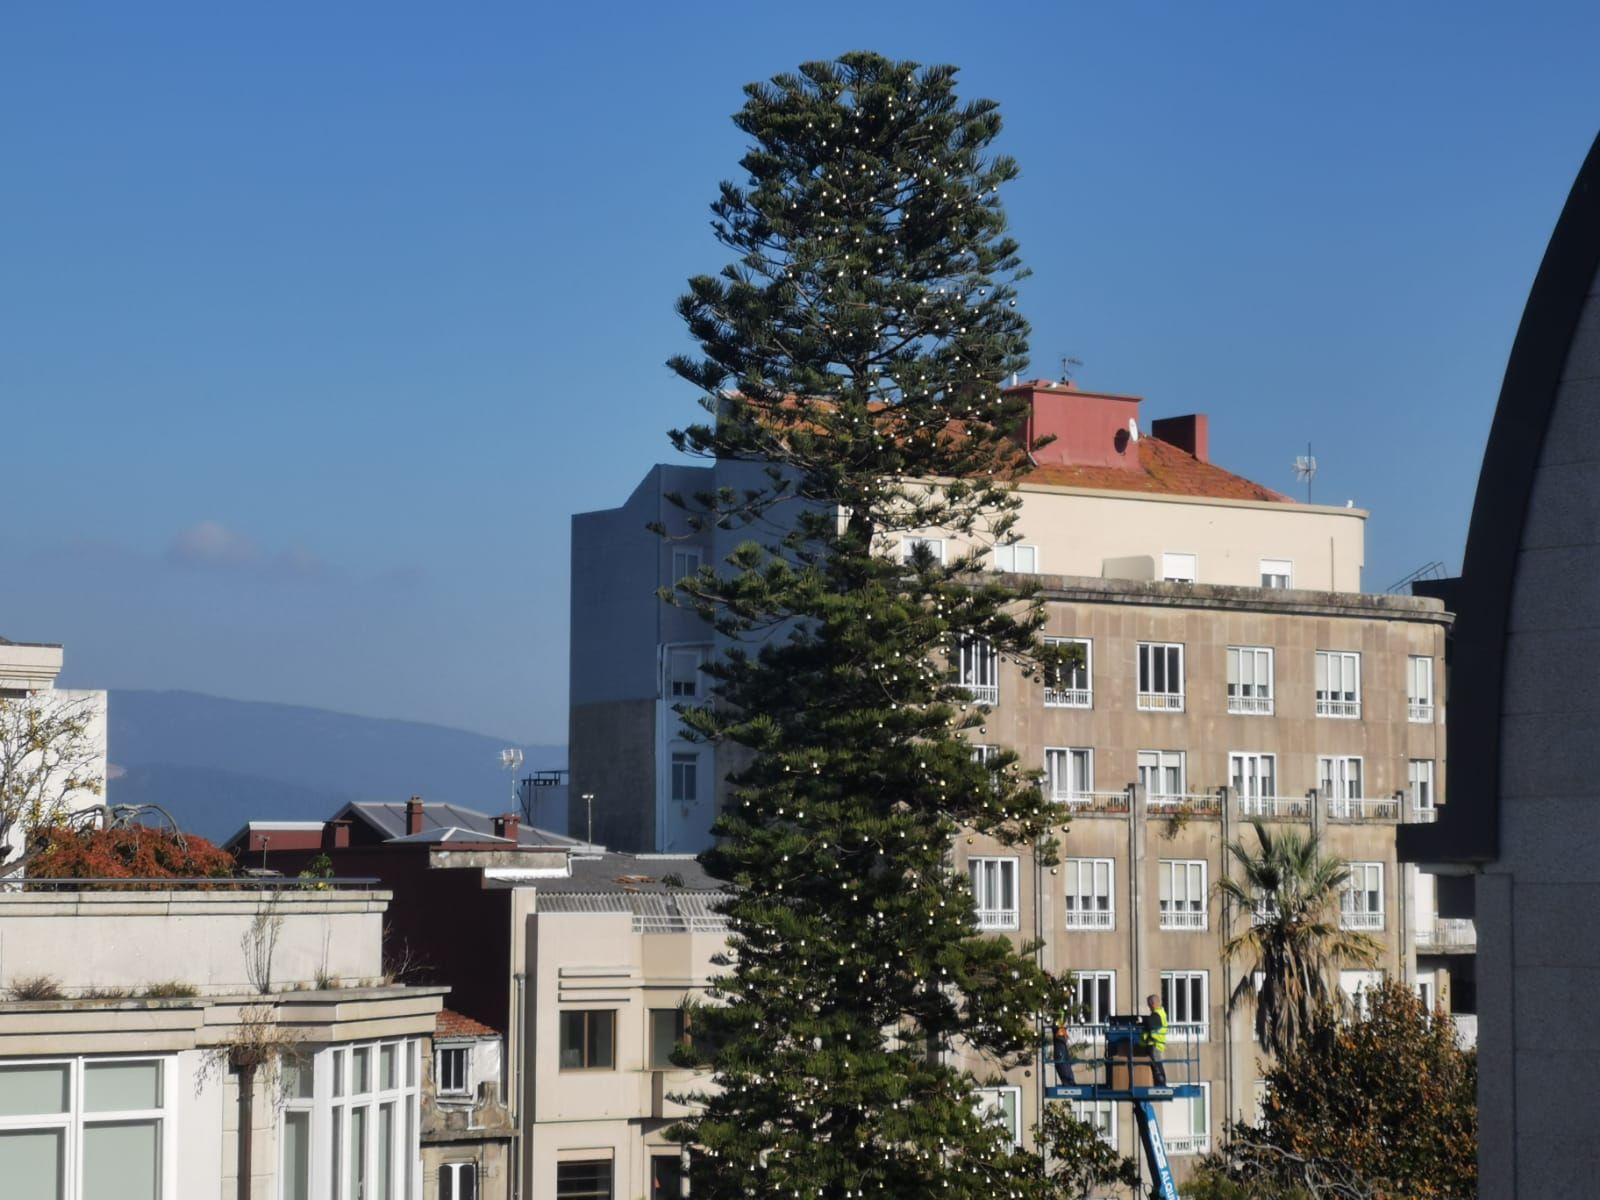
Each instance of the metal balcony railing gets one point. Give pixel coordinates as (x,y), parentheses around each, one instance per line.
(1100,802)
(997,918)
(1364,808)
(1275,807)
(1187,1143)
(1194,804)
(1360,919)
(1059,697)
(1160,701)
(1251,705)
(1418,815)
(1090,918)
(1348,709)
(1449,933)
(983,693)
(1194,1031)
(1173,917)
(1421,713)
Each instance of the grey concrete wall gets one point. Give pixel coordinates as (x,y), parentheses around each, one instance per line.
(1536,906)
(611,747)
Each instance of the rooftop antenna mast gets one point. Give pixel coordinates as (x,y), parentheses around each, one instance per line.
(1305,470)
(1068,364)
(510,760)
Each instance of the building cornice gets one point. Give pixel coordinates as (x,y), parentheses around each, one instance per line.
(1275,601)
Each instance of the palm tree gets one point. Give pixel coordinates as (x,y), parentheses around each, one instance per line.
(1294,941)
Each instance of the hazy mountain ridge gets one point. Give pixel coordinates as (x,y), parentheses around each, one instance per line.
(216,763)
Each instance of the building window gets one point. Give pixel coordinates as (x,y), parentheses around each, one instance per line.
(363,1100)
(1003,1106)
(1260,1092)
(1340,781)
(1183,894)
(1428,990)
(1361,902)
(1160,676)
(979,670)
(1255,781)
(1277,573)
(1358,987)
(1419,788)
(589,1180)
(1184,994)
(685,562)
(1250,680)
(1095,995)
(113,1116)
(1186,1123)
(994,891)
(1088,887)
(910,545)
(666,1176)
(683,671)
(1071,685)
(685,777)
(1018,559)
(450,1064)
(1161,774)
(1179,568)
(668,1027)
(588,1039)
(1338,684)
(1102,1114)
(1069,774)
(458,1181)
(1419,689)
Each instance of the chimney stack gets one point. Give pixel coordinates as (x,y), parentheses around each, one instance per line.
(336,835)
(414,815)
(507,826)
(1189,433)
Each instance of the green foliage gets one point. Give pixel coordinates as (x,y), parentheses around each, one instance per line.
(1077,1161)
(1289,893)
(853,351)
(1381,1106)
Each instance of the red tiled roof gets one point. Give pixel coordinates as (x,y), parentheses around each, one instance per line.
(1163,468)
(451,1024)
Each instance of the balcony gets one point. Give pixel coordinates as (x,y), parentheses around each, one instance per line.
(1419,815)
(1068,697)
(997,918)
(1192,804)
(1089,918)
(1349,710)
(1353,919)
(983,693)
(1160,701)
(1422,714)
(1190,920)
(1276,808)
(1448,935)
(1187,1143)
(1364,808)
(1093,802)
(1194,1031)
(1255,706)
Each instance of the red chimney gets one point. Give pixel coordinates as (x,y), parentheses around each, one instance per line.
(507,826)
(1190,434)
(414,815)
(1090,429)
(336,835)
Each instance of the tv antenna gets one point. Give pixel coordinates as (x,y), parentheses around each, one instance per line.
(1305,470)
(1068,364)
(510,760)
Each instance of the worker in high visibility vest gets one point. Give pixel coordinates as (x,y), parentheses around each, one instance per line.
(1063,1051)
(1154,1039)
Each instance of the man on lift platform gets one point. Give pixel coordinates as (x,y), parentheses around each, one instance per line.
(1153,1037)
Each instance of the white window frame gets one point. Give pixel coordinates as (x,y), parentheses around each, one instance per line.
(1102,1115)
(1361,898)
(1342,780)
(76,1120)
(908,546)
(601,1159)
(991,888)
(683,765)
(1188,911)
(1177,997)
(1275,569)
(1427,985)
(1094,908)
(1095,997)
(1419,689)
(1153,660)
(1003,1105)
(1011,558)
(452,1049)
(1076,690)
(1358,986)
(1250,697)
(1178,566)
(1158,766)
(1254,776)
(455,1171)
(1064,768)
(1338,684)
(682,684)
(1191,1140)
(978,669)
(686,561)
(333,1103)
(1420,791)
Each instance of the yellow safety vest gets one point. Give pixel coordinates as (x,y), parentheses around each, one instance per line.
(1156,1038)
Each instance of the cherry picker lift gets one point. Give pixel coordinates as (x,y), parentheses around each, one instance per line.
(1123,1072)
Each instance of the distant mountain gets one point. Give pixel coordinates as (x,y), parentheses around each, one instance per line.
(215,764)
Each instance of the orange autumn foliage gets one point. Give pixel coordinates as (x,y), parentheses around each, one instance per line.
(129,852)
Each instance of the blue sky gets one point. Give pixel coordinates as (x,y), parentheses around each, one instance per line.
(317,322)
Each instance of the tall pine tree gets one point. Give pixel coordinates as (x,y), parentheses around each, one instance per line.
(856,349)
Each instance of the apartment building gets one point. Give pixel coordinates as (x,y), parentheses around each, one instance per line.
(1232,669)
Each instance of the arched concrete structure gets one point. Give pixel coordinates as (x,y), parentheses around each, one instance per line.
(1524,808)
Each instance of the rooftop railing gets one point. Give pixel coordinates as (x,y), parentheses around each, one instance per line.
(194,883)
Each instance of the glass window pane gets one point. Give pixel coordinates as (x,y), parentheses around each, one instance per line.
(38,1089)
(122,1161)
(336,1155)
(296,1168)
(297,1078)
(338,1072)
(121,1086)
(31,1163)
(600,1039)
(386,1060)
(361,1063)
(358,1154)
(386,1152)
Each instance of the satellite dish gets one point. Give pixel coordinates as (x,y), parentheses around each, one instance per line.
(511,759)
(1133,430)
(1305,470)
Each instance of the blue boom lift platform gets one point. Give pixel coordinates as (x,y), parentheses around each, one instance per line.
(1122,1071)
